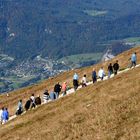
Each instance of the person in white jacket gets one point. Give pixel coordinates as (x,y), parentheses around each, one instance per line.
(1,111)
(84,81)
(101,73)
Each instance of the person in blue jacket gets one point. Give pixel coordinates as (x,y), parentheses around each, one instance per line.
(133,59)
(5,115)
(94,76)
(75,81)
(52,95)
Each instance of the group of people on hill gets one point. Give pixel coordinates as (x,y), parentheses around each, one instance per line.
(33,101)
(112,69)
(101,73)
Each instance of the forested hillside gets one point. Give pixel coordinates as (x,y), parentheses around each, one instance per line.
(59,28)
(41,38)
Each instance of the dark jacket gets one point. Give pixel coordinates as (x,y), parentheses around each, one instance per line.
(94,75)
(116,66)
(57,88)
(38,101)
(110,68)
(27,105)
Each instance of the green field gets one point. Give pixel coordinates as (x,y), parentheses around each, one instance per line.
(135,40)
(17,82)
(95,12)
(80,58)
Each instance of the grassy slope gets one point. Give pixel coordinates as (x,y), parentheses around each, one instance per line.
(25,93)
(109,110)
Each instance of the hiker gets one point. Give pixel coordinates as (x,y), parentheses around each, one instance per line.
(46,96)
(5,115)
(110,70)
(57,89)
(94,76)
(116,67)
(64,88)
(101,73)
(52,95)
(75,81)
(38,100)
(27,104)
(84,81)
(1,111)
(19,108)
(32,101)
(133,60)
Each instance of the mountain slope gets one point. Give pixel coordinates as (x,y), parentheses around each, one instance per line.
(25,93)
(108,110)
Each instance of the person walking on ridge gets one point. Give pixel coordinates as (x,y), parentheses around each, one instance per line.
(33,105)
(94,76)
(1,112)
(110,70)
(46,96)
(38,100)
(64,88)
(57,89)
(84,81)
(101,73)
(27,104)
(75,81)
(19,108)
(5,116)
(116,67)
(133,60)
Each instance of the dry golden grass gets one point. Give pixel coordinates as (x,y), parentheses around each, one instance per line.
(25,93)
(108,110)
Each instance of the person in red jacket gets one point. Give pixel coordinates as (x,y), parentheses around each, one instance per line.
(64,88)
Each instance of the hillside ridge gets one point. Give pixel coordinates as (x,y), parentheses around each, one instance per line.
(101,111)
(104,109)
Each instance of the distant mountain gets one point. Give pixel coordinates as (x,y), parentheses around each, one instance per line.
(54,28)
(63,34)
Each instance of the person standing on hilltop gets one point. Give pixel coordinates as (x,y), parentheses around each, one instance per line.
(75,81)
(116,67)
(101,73)
(110,70)
(94,76)
(57,90)
(133,60)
